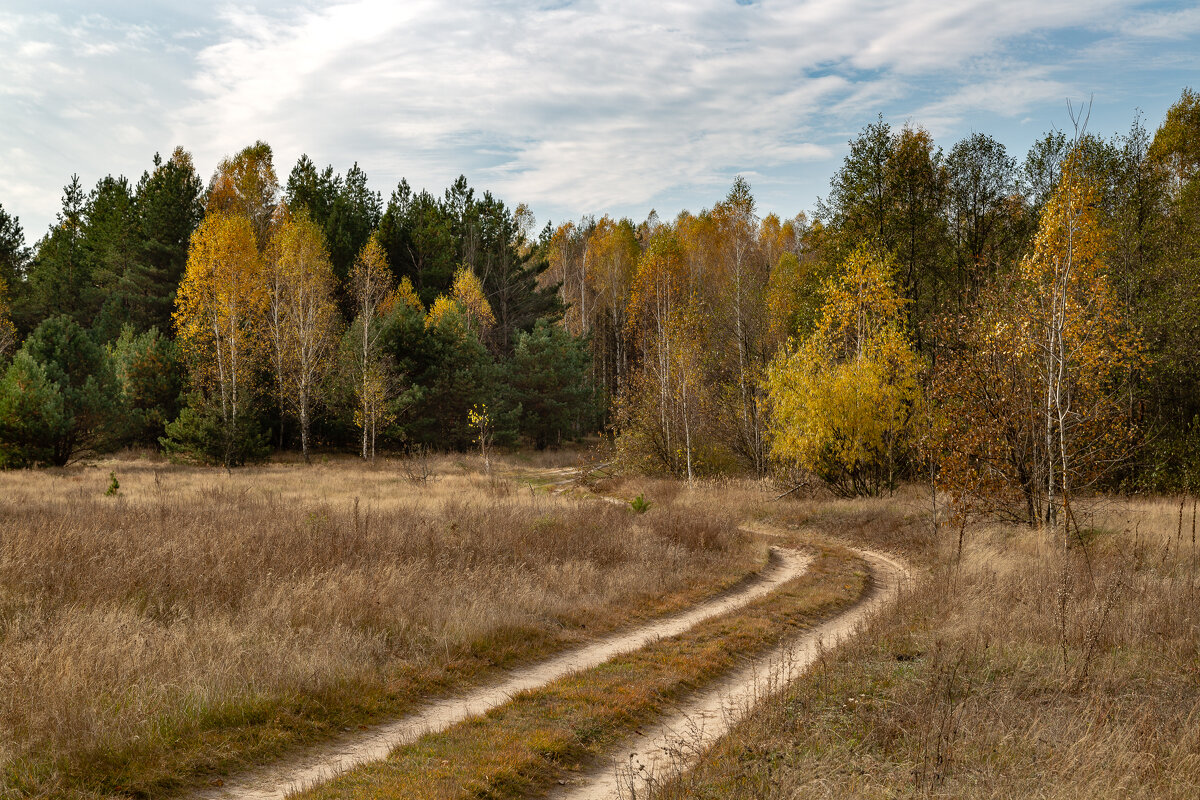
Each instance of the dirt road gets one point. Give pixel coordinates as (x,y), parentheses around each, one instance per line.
(671,744)
(323,762)
(677,741)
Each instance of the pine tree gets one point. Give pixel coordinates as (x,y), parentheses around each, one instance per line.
(169,203)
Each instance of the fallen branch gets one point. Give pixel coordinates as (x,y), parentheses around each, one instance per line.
(789,491)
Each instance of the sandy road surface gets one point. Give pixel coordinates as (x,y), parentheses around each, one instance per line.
(322,762)
(677,741)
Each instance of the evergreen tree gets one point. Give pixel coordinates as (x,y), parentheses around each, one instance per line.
(444,371)
(151,376)
(312,190)
(509,267)
(353,216)
(112,250)
(551,378)
(14,255)
(32,414)
(419,240)
(59,278)
(93,411)
(169,203)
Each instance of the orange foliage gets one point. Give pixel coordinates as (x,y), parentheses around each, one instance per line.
(1032,391)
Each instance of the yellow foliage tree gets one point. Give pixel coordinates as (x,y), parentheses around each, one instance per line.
(442,312)
(403,296)
(220,309)
(1031,393)
(467,292)
(742,272)
(370,286)
(860,301)
(611,261)
(1074,319)
(775,238)
(567,254)
(302,316)
(785,288)
(374,411)
(843,401)
(659,411)
(465,306)
(246,185)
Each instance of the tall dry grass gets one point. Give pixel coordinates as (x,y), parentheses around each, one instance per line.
(898,523)
(200,618)
(1022,670)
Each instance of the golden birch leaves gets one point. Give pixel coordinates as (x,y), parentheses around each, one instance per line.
(843,400)
(220,307)
(8,332)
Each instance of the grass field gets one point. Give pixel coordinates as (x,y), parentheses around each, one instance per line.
(1018,671)
(198,621)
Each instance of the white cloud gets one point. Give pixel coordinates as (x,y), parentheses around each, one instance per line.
(1166,25)
(592,106)
(1011,93)
(579,107)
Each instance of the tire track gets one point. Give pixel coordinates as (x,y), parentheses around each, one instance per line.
(676,742)
(669,745)
(323,762)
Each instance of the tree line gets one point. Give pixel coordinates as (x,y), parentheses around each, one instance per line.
(220,321)
(1015,330)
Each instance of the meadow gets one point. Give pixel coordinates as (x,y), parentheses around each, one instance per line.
(1014,669)
(194,621)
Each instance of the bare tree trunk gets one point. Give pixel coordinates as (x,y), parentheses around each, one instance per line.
(366,323)
(304,425)
(687,432)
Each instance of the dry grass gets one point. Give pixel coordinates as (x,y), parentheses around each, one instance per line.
(200,619)
(1023,671)
(546,736)
(898,523)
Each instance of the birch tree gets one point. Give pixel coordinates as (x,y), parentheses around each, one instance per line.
(247,185)
(659,412)
(302,315)
(1032,388)
(1085,348)
(843,400)
(467,292)
(8,331)
(612,261)
(745,274)
(219,315)
(370,286)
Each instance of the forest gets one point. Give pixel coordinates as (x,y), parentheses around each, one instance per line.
(1014,330)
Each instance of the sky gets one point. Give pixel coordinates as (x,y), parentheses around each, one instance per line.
(570,107)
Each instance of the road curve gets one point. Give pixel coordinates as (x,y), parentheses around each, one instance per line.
(677,741)
(320,763)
